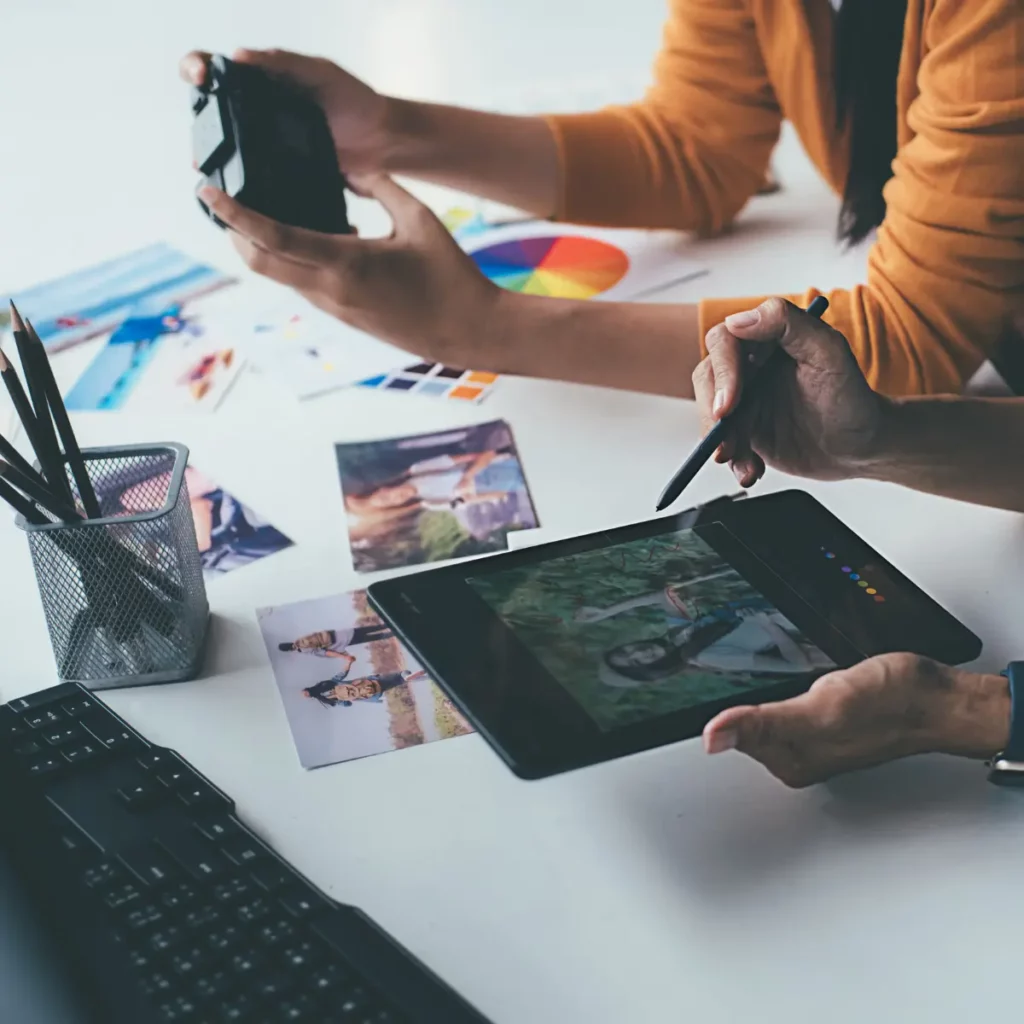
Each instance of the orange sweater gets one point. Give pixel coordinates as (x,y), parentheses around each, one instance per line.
(947,267)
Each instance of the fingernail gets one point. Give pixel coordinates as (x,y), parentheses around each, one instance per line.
(209,194)
(747,319)
(719,403)
(725,739)
(196,68)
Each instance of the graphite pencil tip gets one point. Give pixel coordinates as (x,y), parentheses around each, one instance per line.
(16,322)
(4,365)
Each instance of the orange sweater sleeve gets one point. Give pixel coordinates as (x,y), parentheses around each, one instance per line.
(695,149)
(947,270)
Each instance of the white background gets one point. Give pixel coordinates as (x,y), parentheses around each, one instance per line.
(662,888)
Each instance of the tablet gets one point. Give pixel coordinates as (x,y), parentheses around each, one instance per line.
(583,650)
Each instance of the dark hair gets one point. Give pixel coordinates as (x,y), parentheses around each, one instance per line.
(701,635)
(868,43)
(286,646)
(319,691)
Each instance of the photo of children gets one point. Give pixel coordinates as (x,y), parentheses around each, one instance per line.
(349,688)
(229,534)
(433,497)
(650,627)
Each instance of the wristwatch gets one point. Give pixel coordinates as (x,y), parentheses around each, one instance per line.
(1007,767)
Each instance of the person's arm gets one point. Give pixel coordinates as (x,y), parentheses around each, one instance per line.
(816,416)
(947,268)
(600,614)
(966,448)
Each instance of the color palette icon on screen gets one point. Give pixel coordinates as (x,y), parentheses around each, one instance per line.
(434,380)
(560,266)
(856,578)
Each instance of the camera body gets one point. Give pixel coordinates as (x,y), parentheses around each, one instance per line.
(267,145)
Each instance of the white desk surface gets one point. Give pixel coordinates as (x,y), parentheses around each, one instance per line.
(661,888)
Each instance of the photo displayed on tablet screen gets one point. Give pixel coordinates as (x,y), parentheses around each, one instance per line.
(433,497)
(646,628)
(349,687)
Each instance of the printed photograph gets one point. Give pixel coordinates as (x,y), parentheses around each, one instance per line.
(92,301)
(349,688)
(229,534)
(162,358)
(433,497)
(643,629)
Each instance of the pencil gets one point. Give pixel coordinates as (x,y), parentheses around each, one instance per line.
(20,503)
(16,459)
(13,384)
(45,444)
(717,434)
(67,434)
(39,494)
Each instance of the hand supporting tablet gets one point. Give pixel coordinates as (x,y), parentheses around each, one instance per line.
(583,650)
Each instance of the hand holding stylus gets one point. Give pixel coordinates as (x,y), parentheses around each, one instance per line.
(812,412)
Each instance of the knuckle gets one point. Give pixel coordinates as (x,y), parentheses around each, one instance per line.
(775,310)
(702,372)
(717,336)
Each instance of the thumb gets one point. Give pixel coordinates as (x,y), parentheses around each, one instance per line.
(803,337)
(405,209)
(743,728)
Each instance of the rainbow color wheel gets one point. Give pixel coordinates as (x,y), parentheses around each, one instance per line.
(561,266)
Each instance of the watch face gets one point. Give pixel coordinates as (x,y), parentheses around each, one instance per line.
(1003,772)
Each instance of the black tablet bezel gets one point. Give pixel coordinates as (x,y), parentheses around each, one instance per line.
(535,724)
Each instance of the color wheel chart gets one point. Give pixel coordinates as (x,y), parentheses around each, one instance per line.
(560,266)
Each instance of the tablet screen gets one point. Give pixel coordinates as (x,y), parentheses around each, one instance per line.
(648,627)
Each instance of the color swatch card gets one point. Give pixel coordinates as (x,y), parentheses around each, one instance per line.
(537,258)
(434,380)
(90,302)
(158,360)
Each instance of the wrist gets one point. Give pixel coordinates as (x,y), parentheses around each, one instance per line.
(874,451)
(405,136)
(974,718)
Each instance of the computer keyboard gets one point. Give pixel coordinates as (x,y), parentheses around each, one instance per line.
(216,927)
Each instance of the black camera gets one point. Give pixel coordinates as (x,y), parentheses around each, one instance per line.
(267,145)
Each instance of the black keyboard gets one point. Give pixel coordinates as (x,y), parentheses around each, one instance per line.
(213,926)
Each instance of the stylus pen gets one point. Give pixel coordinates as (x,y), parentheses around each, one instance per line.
(717,434)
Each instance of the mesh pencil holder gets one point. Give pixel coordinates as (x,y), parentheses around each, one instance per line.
(123,595)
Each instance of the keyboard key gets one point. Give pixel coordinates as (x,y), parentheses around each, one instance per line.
(233,889)
(157,758)
(276,932)
(83,752)
(173,777)
(214,985)
(141,796)
(203,917)
(198,797)
(328,978)
(43,697)
(58,735)
(122,896)
(253,910)
(157,984)
(179,895)
(219,829)
(77,845)
(45,765)
(300,1007)
(353,1005)
(102,875)
(273,986)
(272,875)
(180,1008)
(237,1010)
(42,719)
(301,956)
(149,863)
(199,858)
(189,962)
(301,902)
(141,959)
(144,917)
(225,939)
(244,851)
(11,725)
(110,732)
(78,706)
(247,963)
(29,747)
(165,939)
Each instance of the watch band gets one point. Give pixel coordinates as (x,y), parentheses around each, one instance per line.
(1007,767)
